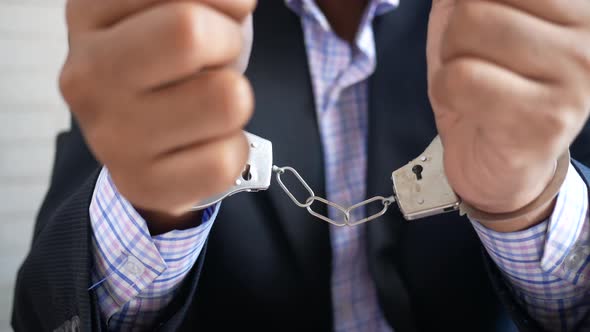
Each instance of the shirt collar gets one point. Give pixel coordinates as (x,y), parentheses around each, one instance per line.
(386,3)
(310,8)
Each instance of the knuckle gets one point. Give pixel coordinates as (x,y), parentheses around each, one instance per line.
(240,9)
(247,6)
(187,34)
(458,73)
(582,55)
(75,83)
(72,78)
(453,83)
(557,121)
(571,99)
(467,16)
(229,162)
(70,11)
(467,13)
(581,102)
(462,75)
(236,97)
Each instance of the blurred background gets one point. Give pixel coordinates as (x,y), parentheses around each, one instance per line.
(33,45)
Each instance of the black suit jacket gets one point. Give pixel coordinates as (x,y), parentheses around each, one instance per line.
(267,263)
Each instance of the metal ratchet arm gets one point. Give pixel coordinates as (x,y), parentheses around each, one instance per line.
(256,175)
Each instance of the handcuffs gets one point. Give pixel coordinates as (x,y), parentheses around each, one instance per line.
(420,188)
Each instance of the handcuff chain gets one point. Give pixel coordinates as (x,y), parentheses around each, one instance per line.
(346,212)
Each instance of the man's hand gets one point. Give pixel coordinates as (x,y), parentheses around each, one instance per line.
(509,81)
(157,88)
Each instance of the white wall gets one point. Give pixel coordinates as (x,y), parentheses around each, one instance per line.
(32,48)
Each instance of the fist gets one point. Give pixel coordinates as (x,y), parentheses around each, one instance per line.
(158,91)
(509,82)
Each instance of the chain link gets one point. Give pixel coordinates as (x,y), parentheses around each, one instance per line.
(346,212)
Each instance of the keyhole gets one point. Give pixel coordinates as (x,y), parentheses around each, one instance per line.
(418,171)
(246,175)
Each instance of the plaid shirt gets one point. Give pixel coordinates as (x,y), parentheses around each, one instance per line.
(135,274)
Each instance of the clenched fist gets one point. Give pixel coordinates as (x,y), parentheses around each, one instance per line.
(158,91)
(509,81)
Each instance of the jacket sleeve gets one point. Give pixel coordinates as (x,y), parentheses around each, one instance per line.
(52,287)
(135,274)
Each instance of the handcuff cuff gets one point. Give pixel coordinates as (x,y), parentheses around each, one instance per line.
(420,188)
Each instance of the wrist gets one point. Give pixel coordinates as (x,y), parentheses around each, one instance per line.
(539,209)
(516,191)
(160,223)
(521,223)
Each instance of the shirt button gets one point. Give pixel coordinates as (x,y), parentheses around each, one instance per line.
(133,266)
(577,258)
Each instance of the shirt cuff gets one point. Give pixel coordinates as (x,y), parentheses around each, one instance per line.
(537,260)
(128,262)
(546,266)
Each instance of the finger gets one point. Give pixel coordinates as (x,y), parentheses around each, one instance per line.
(437,25)
(164,45)
(83,15)
(570,12)
(188,176)
(511,38)
(206,107)
(508,107)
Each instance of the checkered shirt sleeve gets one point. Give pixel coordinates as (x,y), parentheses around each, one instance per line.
(135,275)
(546,266)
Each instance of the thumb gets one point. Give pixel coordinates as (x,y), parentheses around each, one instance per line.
(437,25)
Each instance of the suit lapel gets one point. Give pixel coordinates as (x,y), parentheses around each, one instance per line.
(285,114)
(398,107)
